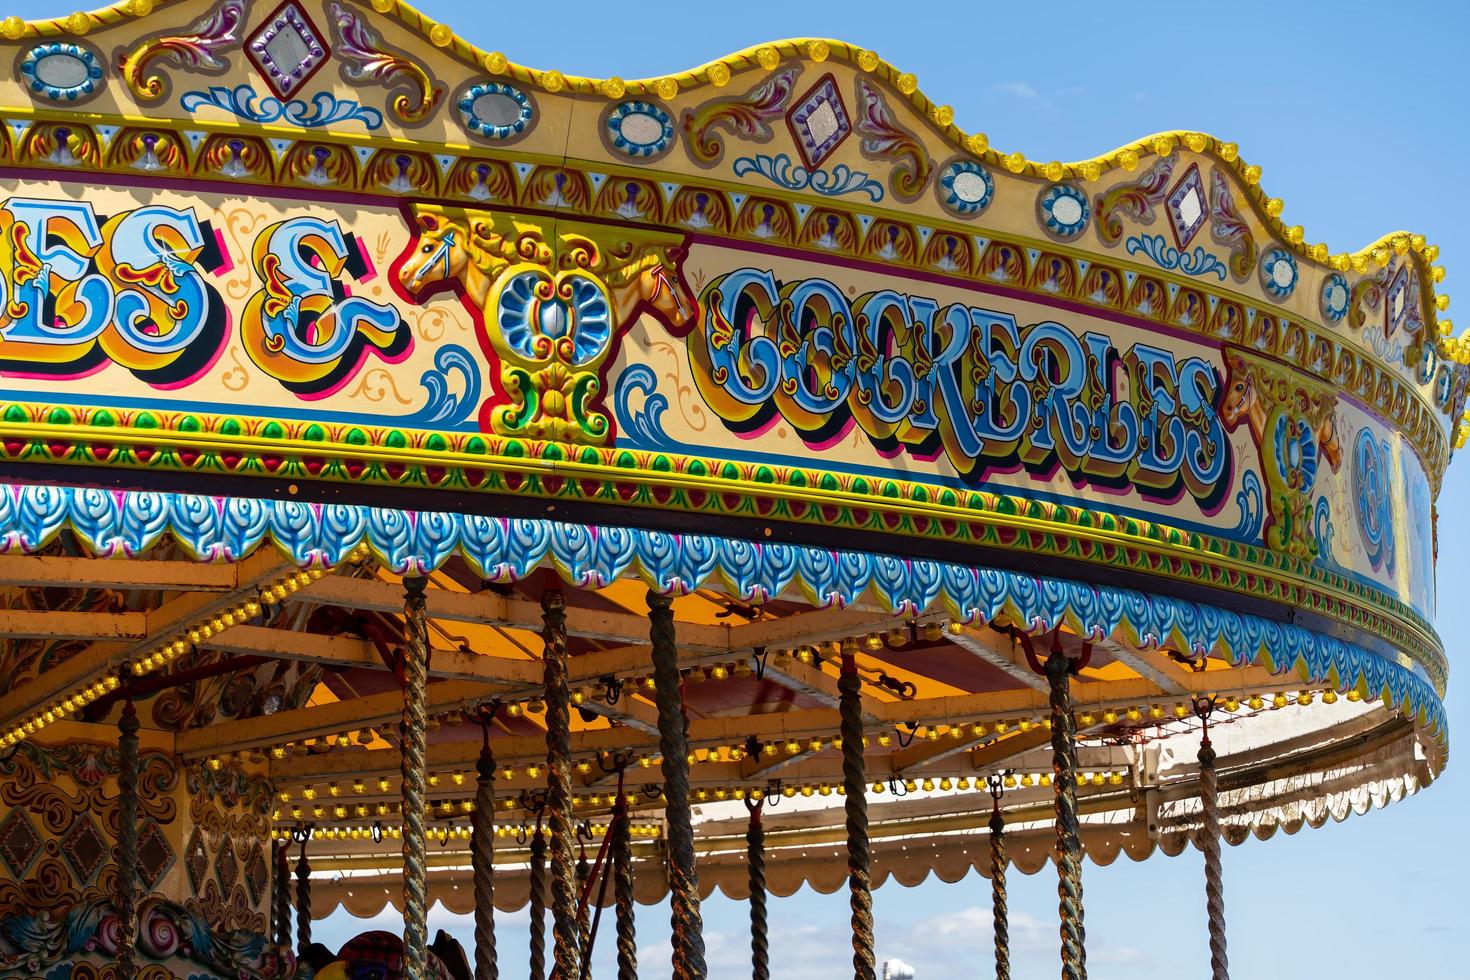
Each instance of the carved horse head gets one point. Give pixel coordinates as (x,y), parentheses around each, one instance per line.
(453,245)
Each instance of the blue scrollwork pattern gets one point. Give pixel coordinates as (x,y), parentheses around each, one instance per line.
(445,408)
(641,427)
(1196,262)
(243,101)
(836,182)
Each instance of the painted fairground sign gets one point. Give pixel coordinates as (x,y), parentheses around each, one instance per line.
(783,287)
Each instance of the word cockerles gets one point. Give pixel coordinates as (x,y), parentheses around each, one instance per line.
(972,383)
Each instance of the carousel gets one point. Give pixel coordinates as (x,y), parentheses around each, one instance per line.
(427,479)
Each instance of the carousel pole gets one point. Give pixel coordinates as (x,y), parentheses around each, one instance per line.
(482,857)
(538,903)
(126,898)
(283,895)
(855,789)
(1209,843)
(303,897)
(755,855)
(1069,828)
(559,784)
(413,750)
(673,744)
(998,862)
(622,858)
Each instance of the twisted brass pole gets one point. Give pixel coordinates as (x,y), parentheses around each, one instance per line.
(413,753)
(303,900)
(482,859)
(283,895)
(126,898)
(755,856)
(538,903)
(998,862)
(1069,827)
(855,788)
(673,743)
(1209,843)
(559,784)
(622,857)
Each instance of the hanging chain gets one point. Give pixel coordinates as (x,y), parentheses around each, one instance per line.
(1209,842)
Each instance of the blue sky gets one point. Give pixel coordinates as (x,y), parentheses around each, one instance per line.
(1357,115)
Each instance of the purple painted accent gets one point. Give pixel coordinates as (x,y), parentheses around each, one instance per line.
(1185,228)
(289,21)
(810,108)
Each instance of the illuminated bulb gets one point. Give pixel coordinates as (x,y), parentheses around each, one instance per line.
(433,781)
(877,788)
(824,790)
(788,791)
(1000,727)
(815,745)
(578,697)
(793,747)
(932,733)
(1329,696)
(533,771)
(1087,719)
(1232,704)
(1096,779)
(1024,724)
(584,766)
(897,637)
(1181,711)
(1279,701)
(1304,698)
(945,784)
(383,784)
(933,631)
(1156,711)
(1027,779)
(805,655)
(977,730)
(910,785)
(1044,779)
(719,672)
(1354,696)
(928,785)
(278,752)
(1255,702)
(1009,781)
(1133,714)
(963,782)
(874,642)
(309,792)
(513,709)
(1116,778)
(738,793)
(335,790)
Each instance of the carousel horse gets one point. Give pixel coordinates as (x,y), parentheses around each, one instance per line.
(1243,402)
(473,248)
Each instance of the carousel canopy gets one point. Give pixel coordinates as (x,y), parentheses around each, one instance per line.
(304,302)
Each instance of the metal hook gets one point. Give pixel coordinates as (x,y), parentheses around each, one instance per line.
(898,788)
(614,687)
(906,731)
(377,833)
(759,655)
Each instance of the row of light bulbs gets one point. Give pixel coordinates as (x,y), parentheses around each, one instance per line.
(642,831)
(167,651)
(792,747)
(446,809)
(61,709)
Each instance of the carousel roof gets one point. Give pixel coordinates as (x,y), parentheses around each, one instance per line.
(772,336)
